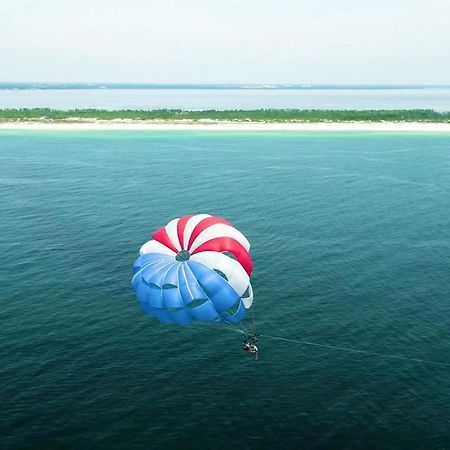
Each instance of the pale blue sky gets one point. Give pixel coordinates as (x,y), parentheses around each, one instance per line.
(226,41)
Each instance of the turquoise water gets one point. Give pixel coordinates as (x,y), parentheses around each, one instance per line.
(350,237)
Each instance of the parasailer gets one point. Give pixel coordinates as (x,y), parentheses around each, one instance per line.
(196,268)
(254,350)
(249,344)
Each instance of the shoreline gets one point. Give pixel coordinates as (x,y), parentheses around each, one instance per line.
(212,125)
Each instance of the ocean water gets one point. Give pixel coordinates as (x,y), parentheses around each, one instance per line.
(223,98)
(350,237)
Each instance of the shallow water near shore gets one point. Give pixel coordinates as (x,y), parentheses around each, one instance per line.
(350,237)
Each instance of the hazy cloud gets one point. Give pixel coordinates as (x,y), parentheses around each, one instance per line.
(292,41)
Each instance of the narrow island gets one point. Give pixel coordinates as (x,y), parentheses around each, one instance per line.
(262,119)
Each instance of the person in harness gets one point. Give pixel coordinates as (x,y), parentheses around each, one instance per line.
(254,350)
(249,344)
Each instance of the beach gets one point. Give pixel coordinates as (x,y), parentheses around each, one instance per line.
(211,125)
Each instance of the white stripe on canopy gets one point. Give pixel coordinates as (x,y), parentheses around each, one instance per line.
(219,230)
(236,275)
(190,225)
(155,247)
(172,232)
(248,301)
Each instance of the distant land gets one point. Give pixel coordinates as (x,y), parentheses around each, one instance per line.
(46,115)
(84,86)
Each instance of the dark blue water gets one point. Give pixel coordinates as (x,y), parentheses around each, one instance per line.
(350,237)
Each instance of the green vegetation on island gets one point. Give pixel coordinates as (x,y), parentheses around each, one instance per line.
(260,115)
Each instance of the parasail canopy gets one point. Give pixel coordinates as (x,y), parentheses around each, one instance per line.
(196,268)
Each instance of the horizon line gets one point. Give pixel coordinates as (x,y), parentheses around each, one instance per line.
(146,85)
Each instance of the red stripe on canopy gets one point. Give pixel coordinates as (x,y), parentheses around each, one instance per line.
(162,236)
(227,244)
(203,224)
(180,229)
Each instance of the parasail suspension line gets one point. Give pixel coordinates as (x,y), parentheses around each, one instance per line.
(352,350)
(235,327)
(253,321)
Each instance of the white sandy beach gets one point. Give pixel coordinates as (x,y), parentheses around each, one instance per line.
(229,126)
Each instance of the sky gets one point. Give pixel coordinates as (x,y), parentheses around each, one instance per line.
(225,41)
